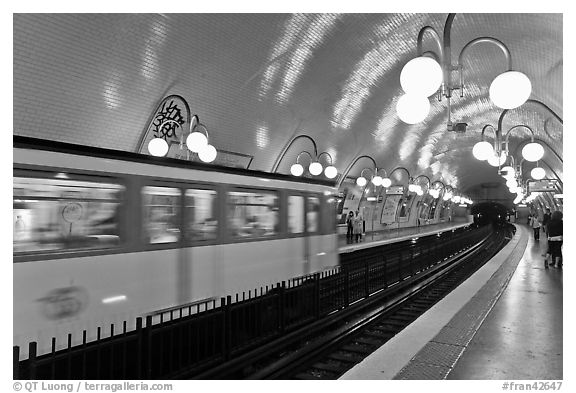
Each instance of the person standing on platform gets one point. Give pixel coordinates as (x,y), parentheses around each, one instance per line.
(535,224)
(546,219)
(555,238)
(358,223)
(350,227)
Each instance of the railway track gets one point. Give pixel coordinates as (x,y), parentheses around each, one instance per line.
(332,353)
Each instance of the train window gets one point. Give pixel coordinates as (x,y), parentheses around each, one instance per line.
(332,213)
(295,214)
(161,214)
(51,214)
(201,215)
(313,214)
(252,214)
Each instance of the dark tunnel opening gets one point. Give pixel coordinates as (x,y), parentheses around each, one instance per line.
(493,213)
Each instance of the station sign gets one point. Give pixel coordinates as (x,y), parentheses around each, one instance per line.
(544,185)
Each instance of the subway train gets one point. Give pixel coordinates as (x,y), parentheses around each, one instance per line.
(103,236)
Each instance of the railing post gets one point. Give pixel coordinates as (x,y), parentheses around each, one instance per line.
(366,279)
(148,348)
(32,349)
(317,295)
(347,288)
(140,351)
(223,327)
(228,328)
(281,306)
(16,362)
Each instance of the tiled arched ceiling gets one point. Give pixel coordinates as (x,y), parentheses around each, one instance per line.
(257,80)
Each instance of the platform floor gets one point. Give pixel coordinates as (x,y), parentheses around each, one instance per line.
(399,234)
(505,322)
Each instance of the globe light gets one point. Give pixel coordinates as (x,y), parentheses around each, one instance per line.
(419,191)
(412,187)
(315,168)
(482,150)
(158,147)
(508,172)
(447,196)
(330,172)
(510,89)
(538,173)
(361,181)
(532,151)
(422,76)
(377,180)
(513,189)
(208,153)
(412,109)
(495,161)
(196,141)
(511,183)
(297,169)
(386,182)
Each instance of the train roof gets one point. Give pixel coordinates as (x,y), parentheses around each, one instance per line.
(23,142)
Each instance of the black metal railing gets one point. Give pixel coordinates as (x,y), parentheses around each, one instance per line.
(187,341)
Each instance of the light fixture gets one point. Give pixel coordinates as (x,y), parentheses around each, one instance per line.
(511,183)
(315,168)
(297,169)
(376,179)
(420,75)
(158,146)
(538,173)
(412,108)
(196,141)
(532,151)
(508,172)
(361,181)
(330,171)
(510,89)
(436,188)
(208,153)
(483,150)
(496,160)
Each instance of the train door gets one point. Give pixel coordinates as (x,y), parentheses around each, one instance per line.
(313,238)
(296,231)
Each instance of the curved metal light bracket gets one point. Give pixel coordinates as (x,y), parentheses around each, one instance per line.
(302,152)
(424,176)
(549,167)
(328,154)
(436,37)
(401,168)
(349,167)
(436,182)
(543,142)
(505,111)
(285,150)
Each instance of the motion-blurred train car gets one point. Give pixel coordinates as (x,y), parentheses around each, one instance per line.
(103,236)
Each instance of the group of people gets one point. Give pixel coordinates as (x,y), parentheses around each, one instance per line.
(355,227)
(551,225)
